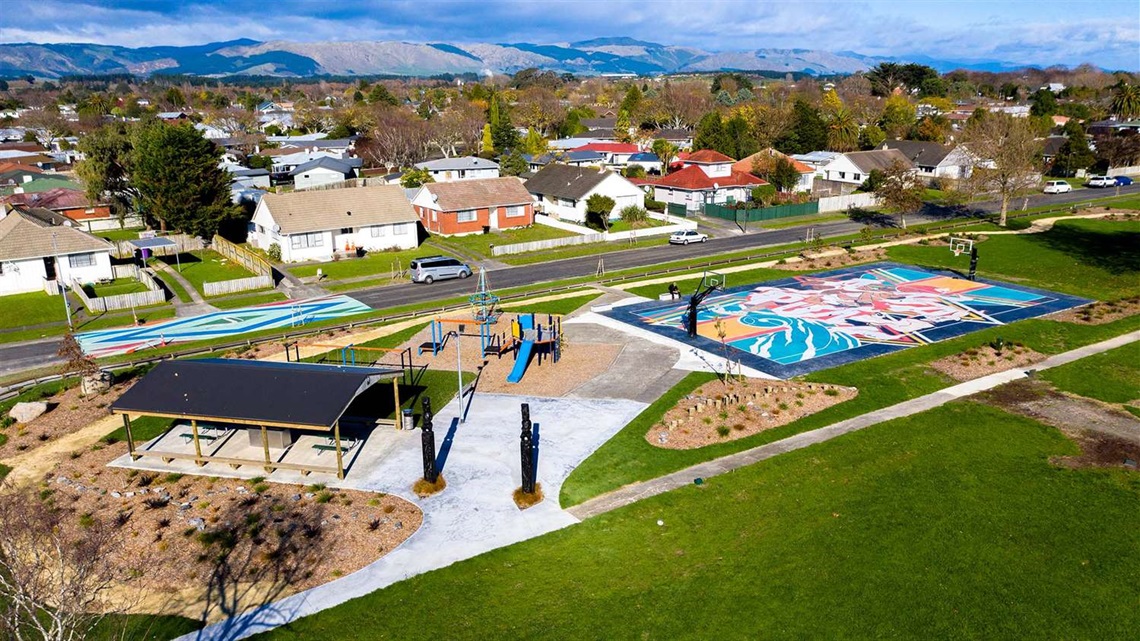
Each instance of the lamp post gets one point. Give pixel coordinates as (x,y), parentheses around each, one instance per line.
(59,278)
(459,368)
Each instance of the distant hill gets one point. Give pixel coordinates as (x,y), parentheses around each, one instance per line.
(301,59)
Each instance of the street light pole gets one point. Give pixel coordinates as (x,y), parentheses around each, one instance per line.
(59,278)
(459,369)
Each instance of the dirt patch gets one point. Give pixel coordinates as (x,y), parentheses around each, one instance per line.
(715,413)
(987,359)
(179,533)
(68,411)
(578,362)
(1100,312)
(1108,435)
(832,260)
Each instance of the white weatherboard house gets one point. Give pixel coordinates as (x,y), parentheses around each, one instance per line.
(325,171)
(561,191)
(35,253)
(315,225)
(447,170)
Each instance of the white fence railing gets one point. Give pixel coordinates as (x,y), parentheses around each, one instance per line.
(842,203)
(129,221)
(1123,171)
(550,243)
(677,224)
(185,243)
(221,288)
(154,295)
(543,219)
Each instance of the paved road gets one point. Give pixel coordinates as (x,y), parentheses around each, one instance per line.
(19,357)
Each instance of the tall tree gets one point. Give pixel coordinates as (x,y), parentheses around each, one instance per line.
(842,130)
(513,164)
(710,133)
(1074,153)
(666,151)
(900,191)
(105,169)
(1004,149)
(1126,101)
(808,132)
(1044,103)
(176,175)
(898,116)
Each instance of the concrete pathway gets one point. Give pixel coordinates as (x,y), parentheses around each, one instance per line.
(197,304)
(645,489)
(475,513)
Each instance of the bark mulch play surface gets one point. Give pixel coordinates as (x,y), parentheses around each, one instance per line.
(179,533)
(67,411)
(716,412)
(1099,313)
(578,363)
(839,259)
(987,359)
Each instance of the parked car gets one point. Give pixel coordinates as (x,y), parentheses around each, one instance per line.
(1101,181)
(686,236)
(1057,187)
(432,268)
(1123,181)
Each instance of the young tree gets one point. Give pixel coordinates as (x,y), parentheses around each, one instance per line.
(871,137)
(513,164)
(413,178)
(1074,153)
(900,191)
(666,151)
(176,174)
(898,116)
(1004,149)
(534,144)
(598,210)
(633,171)
(784,175)
(105,170)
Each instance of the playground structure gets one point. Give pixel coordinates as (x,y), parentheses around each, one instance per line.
(361,356)
(530,339)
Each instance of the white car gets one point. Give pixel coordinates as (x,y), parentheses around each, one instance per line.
(686,236)
(1101,181)
(1057,187)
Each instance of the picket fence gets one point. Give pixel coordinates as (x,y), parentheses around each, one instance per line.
(154,295)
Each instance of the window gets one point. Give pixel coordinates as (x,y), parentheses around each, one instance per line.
(842,174)
(515,211)
(401,229)
(260,229)
(856,176)
(346,230)
(302,241)
(465,216)
(81,260)
(433,217)
(377,231)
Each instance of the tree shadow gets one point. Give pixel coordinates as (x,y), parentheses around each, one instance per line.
(1116,252)
(535,437)
(871,218)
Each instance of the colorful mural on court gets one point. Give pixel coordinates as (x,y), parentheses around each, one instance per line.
(220,324)
(804,323)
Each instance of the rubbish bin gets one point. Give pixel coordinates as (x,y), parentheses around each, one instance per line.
(409,421)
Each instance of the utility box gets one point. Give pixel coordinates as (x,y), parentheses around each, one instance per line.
(278,439)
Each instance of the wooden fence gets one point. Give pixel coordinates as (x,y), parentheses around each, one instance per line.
(236,285)
(154,295)
(123,249)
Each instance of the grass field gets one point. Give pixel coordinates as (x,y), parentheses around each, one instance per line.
(575,251)
(480,244)
(949,524)
(1112,377)
(1098,259)
(116,287)
(33,308)
(120,234)
(373,264)
(206,266)
(246,301)
(559,307)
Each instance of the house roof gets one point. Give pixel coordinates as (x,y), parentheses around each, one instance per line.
(344,166)
(46,215)
(598,123)
(745,164)
(477,194)
(243,172)
(602,134)
(644,157)
(564,181)
(566,157)
(323,209)
(306,395)
(55,198)
(610,147)
(708,156)
(23,236)
(920,152)
(1053,145)
(455,164)
(6,167)
(879,159)
(693,178)
(673,134)
(817,157)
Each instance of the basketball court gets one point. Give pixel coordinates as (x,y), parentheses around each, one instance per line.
(806,323)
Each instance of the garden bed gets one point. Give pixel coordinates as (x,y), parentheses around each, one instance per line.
(68,411)
(840,258)
(987,359)
(1100,312)
(717,412)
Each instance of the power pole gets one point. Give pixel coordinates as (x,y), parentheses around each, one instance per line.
(59,279)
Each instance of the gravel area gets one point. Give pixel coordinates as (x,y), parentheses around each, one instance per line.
(1099,313)
(67,411)
(833,260)
(982,361)
(717,412)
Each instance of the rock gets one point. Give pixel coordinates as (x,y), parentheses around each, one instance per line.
(241,489)
(399,525)
(27,412)
(184,506)
(130,494)
(62,480)
(96,383)
(296,497)
(197,523)
(116,495)
(309,495)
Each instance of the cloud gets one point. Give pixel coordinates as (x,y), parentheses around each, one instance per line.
(1056,33)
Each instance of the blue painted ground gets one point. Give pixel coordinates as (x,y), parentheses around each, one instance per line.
(806,323)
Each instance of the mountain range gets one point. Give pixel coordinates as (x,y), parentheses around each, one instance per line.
(302,59)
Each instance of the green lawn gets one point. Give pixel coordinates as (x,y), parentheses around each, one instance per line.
(206,266)
(174,286)
(120,234)
(103,321)
(374,263)
(949,524)
(620,225)
(1092,258)
(559,307)
(480,244)
(1113,377)
(688,284)
(575,251)
(116,287)
(33,308)
(246,301)
(882,381)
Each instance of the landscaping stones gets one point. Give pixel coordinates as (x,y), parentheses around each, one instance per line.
(28,411)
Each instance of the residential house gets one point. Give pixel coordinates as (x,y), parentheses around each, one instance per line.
(933,160)
(615,155)
(561,191)
(246,177)
(706,176)
(13,174)
(69,201)
(318,224)
(566,144)
(681,138)
(817,160)
(648,161)
(1051,148)
(464,168)
(172,116)
(36,255)
(574,158)
(325,171)
(473,206)
(286,160)
(768,157)
(852,168)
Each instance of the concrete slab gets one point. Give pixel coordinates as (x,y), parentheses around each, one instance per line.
(475,513)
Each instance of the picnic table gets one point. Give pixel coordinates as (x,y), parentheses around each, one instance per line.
(329,445)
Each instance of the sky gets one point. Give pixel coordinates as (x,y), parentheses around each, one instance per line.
(1037,32)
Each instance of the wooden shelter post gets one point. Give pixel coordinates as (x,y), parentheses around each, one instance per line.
(197,444)
(339,456)
(396,395)
(130,438)
(265,447)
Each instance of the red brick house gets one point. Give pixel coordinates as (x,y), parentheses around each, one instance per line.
(470,206)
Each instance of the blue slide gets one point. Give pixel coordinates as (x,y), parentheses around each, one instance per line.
(526,332)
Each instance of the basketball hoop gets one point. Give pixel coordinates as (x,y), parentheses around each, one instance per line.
(961,245)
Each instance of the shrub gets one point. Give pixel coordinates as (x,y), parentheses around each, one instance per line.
(723,431)
(633,215)
(633,171)
(324,496)
(764,194)
(654,205)
(274,252)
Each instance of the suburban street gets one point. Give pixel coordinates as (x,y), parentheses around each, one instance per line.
(21,356)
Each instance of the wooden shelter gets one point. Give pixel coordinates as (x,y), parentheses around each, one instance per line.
(275,399)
